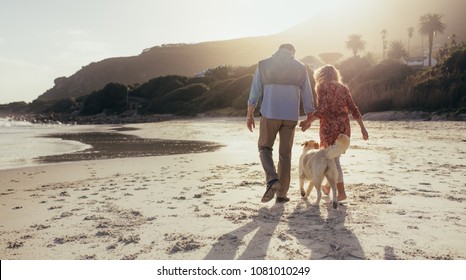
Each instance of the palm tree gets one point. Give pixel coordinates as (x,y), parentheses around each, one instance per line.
(429,25)
(355,43)
(410,35)
(384,34)
(397,50)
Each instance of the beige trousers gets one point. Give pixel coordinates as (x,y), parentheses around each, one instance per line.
(268,131)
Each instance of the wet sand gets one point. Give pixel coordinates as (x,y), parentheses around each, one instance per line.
(108,145)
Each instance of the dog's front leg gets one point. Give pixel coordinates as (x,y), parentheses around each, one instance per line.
(319,194)
(309,189)
(317,184)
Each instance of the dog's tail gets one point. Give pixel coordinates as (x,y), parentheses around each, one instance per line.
(340,147)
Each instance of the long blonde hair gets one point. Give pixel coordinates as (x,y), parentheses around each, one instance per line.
(327,74)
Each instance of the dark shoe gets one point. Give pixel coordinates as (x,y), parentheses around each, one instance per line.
(272,186)
(282,199)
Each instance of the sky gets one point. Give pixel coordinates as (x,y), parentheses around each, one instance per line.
(43,40)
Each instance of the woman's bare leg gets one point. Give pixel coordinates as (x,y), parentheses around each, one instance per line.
(341,191)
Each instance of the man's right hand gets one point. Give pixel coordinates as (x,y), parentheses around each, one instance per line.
(304,125)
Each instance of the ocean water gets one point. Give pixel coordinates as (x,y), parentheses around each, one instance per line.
(21,142)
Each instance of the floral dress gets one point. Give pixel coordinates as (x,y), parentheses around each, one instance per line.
(334,102)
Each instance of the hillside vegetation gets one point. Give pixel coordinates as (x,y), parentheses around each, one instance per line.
(395,86)
(224,91)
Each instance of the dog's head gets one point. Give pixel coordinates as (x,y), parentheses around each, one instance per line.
(343,141)
(309,145)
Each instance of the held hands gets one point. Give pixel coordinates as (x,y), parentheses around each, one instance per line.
(305,125)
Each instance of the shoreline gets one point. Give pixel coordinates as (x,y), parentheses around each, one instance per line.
(132,117)
(416,116)
(405,190)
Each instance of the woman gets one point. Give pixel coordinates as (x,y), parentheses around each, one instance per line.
(334,102)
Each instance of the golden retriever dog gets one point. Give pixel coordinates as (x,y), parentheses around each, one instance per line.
(315,165)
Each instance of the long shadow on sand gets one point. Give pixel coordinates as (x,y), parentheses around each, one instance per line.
(265,222)
(327,238)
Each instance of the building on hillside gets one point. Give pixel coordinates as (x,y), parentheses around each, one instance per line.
(312,62)
(419,61)
(135,103)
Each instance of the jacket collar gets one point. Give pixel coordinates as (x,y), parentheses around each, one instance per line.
(283,52)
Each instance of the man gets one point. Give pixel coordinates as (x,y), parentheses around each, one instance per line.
(281,81)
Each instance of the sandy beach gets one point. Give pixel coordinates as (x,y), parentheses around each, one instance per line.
(406,191)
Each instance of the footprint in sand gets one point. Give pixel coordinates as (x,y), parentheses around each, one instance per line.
(15,244)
